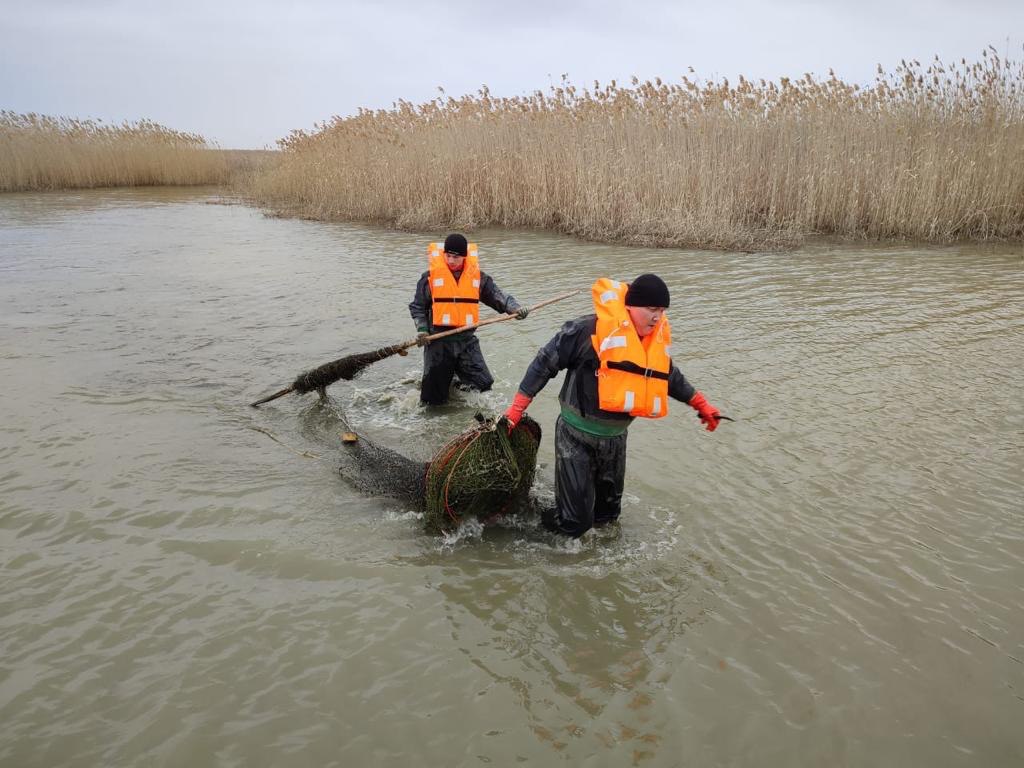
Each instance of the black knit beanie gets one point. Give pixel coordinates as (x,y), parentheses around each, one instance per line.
(647,291)
(456,244)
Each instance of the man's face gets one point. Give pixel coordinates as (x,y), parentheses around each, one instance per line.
(645,319)
(455,261)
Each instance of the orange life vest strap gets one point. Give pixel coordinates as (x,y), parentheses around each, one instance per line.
(630,367)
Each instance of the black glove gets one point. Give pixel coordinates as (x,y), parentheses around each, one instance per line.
(522,312)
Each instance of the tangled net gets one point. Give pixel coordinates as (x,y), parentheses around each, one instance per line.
(343,368)
(482,472)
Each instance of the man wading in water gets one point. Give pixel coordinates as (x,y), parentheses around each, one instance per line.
(448,295)
(619,366)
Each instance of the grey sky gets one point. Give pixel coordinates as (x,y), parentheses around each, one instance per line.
(244,74)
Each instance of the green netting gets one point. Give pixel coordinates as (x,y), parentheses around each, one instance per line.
(480,473)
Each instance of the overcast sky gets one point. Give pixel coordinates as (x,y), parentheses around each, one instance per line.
(244,74)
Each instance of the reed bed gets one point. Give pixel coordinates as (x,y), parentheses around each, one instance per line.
(40,152)
(930,153)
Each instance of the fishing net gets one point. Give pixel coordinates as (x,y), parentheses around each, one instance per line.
(380,471)
(482,472)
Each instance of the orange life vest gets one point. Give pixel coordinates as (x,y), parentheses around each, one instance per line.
(455,302)
(633,375)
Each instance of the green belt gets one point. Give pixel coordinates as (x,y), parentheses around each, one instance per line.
(573,419)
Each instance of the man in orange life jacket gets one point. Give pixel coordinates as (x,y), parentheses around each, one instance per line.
(619,366)
(448,295)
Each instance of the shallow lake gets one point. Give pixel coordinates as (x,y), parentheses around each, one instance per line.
(837,578)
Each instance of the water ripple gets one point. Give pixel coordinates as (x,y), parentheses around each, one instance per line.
(845,559)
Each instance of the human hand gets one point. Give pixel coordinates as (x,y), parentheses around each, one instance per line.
(515,411)
(422,339)
(709,415)
(522,312)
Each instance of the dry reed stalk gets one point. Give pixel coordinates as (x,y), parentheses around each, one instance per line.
(928,153)
(41,152)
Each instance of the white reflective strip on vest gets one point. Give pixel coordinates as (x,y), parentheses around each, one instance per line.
(630,398)
(657,407)
(438,282)
(668,350)
(469,319)
(613,342)
(608,296)
(616,284)
(476,283)
(446,319)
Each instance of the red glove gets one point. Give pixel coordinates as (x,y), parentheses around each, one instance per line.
(709,415)
(515,411)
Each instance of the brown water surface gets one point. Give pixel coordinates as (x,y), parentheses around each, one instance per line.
(835,579)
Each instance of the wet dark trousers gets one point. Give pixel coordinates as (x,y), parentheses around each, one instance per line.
(589,473)
(443,360)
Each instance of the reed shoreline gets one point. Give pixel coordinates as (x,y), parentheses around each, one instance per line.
(39,152)
(929,154)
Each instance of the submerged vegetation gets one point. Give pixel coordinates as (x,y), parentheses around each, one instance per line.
(41,152)
(930,153)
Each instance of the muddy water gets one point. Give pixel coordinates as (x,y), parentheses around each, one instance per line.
(835,579)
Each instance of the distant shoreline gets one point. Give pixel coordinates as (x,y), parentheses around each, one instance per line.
(927,155)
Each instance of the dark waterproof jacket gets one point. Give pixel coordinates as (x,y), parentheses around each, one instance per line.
(422,304)
(572,350)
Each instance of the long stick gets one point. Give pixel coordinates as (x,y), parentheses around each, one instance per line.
(347,367)
(488,321)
